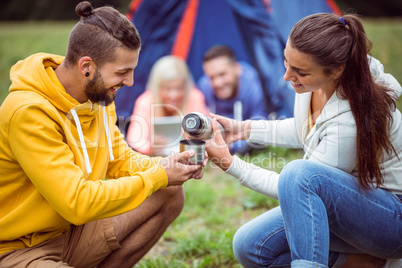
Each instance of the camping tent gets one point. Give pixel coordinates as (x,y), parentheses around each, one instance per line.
(256,30)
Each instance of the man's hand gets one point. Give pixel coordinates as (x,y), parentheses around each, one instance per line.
(178,172)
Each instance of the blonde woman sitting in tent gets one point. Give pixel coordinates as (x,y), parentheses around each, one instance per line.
(155,127)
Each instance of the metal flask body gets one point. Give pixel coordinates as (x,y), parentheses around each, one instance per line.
(199,126)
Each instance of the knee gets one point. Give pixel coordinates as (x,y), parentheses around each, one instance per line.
(252,248)
(174,199)
(241,249)
(295,175)
(302,176)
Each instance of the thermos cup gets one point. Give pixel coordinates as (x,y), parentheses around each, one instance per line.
(198,146)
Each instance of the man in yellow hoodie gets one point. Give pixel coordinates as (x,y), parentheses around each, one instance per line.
(58,144)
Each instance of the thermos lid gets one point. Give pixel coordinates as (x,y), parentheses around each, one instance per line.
(191,123)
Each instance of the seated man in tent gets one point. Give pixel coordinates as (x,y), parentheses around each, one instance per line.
(232,89)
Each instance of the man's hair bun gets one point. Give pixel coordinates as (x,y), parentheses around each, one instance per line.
(84,9)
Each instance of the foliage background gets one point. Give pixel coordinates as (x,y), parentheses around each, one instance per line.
(64,9)
(50,9)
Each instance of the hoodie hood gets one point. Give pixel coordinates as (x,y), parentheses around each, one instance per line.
(36,74)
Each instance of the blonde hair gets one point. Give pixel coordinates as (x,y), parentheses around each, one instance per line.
(165,69)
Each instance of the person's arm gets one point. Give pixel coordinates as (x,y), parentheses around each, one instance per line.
(276,133)
(127,161)
(279,133)
(39,145)
(255,178)
(249,175)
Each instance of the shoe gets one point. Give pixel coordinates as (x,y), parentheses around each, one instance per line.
(396,263)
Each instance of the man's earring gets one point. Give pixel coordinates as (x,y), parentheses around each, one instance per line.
(87,74)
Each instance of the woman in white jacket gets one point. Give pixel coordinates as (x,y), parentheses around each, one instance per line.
(341,205)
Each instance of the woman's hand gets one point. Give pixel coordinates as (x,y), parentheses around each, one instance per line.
(217,148)
(234,130)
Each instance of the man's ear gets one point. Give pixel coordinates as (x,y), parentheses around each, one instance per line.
(337,72)
(86,65)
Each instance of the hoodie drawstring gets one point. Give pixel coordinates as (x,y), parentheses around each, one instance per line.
(82,140)
(109,141)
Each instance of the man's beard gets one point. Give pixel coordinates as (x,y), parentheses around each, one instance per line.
(96,91)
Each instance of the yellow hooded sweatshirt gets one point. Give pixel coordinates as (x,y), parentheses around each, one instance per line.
(55,154)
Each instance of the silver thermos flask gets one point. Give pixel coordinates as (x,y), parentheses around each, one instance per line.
(199,126)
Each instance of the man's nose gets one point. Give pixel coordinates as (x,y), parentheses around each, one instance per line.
(129,80)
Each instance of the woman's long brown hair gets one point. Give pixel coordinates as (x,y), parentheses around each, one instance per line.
(331,43)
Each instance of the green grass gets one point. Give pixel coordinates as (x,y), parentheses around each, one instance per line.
(216,205)
(19,40)
(386,36)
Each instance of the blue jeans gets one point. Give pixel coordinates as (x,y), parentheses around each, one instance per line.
(323,216)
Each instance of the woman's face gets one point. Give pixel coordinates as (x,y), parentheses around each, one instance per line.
(304,74)
(173,92)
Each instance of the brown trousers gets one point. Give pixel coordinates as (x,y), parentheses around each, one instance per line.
(82,246)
